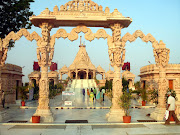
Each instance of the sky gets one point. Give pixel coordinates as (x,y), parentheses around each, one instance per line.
(161,18)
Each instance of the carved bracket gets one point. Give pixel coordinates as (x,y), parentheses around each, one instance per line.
(139,33)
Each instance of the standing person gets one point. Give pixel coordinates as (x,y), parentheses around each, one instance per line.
(103,92)
(88,92)
(3,98)
(95,92)
(83,91)
(171,109)
(91,96)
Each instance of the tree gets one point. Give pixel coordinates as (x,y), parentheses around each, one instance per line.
(14,15)
(125,84)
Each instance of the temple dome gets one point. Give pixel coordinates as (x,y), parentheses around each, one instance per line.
(82,60)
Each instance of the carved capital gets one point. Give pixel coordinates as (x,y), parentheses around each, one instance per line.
(161,56)
(117,56)
(45,56)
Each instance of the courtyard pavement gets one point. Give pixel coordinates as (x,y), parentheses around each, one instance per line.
(94,113)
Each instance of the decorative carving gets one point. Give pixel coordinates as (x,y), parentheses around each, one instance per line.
(45,12)
(73,35)
(116,28)
(81,5)
(101,33)
(139,33)
(18,35)
(161,56)
(3,56)
(116,13)
(55,10)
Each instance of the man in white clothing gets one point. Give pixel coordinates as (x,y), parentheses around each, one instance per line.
(171,109)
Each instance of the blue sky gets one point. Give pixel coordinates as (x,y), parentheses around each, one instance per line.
(161,18)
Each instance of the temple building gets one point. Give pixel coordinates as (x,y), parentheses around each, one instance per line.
(149,76)
(82,67)
(130,78)
(11,76)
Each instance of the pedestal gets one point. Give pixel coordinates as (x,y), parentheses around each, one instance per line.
(158,114)
(115,115)
(45,114)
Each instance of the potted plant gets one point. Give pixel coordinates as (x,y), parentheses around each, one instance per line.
(23,94)
(125,102)
(143,96)
(154,96)
(35,119)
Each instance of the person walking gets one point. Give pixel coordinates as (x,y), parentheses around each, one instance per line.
(88,92)
(83,91)
(91,96)
(171,109)
(103,92)
(3,98)
(95,92)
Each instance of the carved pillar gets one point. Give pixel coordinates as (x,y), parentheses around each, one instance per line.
(60,75)
(76,73)
(44,56)
(116,56)
(94,74)
(87,73)
(162,58)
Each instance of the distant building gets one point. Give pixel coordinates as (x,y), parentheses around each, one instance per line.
(149,76)
(82,67)
(11,76)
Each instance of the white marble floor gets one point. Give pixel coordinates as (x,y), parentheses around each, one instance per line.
(97,123)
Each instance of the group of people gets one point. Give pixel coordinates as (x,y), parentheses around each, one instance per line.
(94,95)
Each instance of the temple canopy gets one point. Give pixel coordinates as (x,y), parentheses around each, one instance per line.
(78,12)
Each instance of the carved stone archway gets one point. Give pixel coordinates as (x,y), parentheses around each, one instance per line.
(161,54)
(83,14)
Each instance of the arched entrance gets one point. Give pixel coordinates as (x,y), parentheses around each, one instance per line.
(90,75)
(73,75)
(82,75)
(87,14)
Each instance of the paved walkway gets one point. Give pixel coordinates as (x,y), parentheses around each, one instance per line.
(97,123)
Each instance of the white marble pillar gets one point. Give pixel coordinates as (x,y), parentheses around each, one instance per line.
(116,56)
(44,56)
(162,58)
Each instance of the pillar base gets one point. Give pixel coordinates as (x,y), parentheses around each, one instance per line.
(158,114)
(46,115)
(115,115)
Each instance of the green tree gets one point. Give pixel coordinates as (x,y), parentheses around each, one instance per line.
(14,15)
(125,84)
